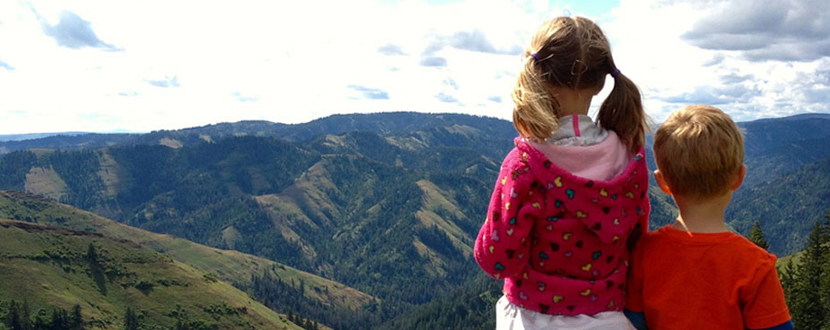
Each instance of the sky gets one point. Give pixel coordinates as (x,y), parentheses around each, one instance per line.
(104,66)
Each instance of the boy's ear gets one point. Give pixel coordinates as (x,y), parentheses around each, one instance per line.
(661,182)
(739,178)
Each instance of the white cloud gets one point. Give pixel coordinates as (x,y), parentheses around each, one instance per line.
(666,47)
(296,61)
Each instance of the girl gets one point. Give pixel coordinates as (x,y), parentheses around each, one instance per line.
(572,193)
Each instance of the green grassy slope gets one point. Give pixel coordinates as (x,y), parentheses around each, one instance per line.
(51,267)
(228,266)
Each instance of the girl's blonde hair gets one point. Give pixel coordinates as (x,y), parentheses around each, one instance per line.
(573,53)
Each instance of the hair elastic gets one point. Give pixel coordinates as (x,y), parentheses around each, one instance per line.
(615,73)
(535,57)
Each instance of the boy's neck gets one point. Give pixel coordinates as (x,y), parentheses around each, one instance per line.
(702,215)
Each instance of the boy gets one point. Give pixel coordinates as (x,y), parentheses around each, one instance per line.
(695,273)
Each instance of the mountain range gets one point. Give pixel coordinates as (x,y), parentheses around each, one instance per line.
(387,204)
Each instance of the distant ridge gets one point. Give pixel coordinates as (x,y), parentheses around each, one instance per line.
(381,123)
(796,117)
(32,136)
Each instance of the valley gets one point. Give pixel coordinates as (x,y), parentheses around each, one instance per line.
(374,214)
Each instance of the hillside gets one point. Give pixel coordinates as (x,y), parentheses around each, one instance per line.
(388,204)
(781,146)
(787,206)
(52,267)
(318,205)
(417,142)
(305,296)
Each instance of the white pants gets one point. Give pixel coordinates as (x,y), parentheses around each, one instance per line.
(512,317)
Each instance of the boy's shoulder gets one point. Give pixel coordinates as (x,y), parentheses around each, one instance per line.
(752,251)
(740,248)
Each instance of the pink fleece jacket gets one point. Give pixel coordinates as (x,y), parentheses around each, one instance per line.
(558,240)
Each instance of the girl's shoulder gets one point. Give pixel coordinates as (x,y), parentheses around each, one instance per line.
(517,158)
(572,164)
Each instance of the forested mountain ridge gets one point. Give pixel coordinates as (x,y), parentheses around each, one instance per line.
(786,206)
(216,181)
(382,123)
(775,148)
(386,203)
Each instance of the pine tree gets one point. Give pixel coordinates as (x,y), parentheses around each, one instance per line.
(76,320)
(26,317)
(57,322)
(808,310)
(91,254)
(130,320)
(13,321)
(40,324)
(788,277)
(825,280)
(756,235)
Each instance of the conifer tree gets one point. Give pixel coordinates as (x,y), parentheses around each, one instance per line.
(788,276)
(25,317)
(40,324)
(825,279)
(13,321)
(756,235)
(808,310)
(130,320)
(91,254)
(58,322)
(76,320)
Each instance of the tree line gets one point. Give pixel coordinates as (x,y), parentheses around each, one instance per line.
(20,317)
(806,277)
(806,281)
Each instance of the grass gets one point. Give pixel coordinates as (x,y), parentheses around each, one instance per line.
(48,267)
(435,200)
(224,265)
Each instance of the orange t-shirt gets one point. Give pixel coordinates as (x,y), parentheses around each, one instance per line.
(682,280)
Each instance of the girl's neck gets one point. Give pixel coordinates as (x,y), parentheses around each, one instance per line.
(702,216)
(573,101)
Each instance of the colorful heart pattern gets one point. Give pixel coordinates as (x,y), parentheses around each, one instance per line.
(591,202)
(571,194)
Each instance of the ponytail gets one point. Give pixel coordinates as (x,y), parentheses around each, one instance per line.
(535,113)
(573,53)
(622,112)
